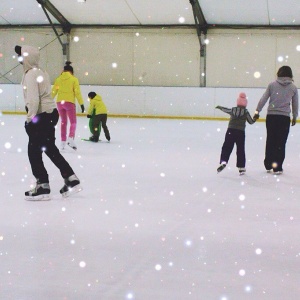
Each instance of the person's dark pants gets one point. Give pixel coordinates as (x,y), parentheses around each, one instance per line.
(232,137)
(97,119)
(278,128)
(41,133)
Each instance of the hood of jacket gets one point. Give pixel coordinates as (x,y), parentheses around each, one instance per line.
(284,80)
(97,98)
(31,57)
(65,75)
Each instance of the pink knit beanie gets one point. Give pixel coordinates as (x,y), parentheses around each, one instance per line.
(242,100)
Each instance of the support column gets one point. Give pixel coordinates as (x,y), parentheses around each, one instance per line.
(202,60)
(201,26)
(66,47)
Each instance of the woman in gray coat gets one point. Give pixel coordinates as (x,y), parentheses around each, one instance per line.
(282,95)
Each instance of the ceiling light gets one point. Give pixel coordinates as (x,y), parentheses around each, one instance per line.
(81,1)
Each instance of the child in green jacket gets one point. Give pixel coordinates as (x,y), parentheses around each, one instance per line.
(97,111)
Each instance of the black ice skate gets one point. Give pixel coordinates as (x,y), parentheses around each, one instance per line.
(221,167)
(94,139)
(72,185)
(41,192)
(242,171)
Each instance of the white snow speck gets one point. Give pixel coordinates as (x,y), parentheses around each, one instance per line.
(82,264)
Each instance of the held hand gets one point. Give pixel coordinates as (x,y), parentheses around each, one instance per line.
(82,108)
(294,122)
(256,117)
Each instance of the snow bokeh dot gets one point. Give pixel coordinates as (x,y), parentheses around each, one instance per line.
(82,264)
(181,20)
(7,145)
(258,251)
(242,197)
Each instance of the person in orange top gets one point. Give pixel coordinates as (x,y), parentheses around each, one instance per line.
(67,88)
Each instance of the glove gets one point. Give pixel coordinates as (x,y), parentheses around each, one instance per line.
(82,108)
(256,117)
(217,106)
(26,108)
(89,116)
(294,122)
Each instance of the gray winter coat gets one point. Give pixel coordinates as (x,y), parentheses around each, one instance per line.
(282,93)
(238,117)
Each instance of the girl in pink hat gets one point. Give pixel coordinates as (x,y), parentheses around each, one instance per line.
(235,133)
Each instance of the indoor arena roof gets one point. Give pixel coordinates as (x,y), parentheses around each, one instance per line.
(265,13)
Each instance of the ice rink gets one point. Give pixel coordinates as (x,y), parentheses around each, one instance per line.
(154,220)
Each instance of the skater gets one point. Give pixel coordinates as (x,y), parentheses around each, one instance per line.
(42,117)
(282,94)
(98,112)
(235,134)
(67,88)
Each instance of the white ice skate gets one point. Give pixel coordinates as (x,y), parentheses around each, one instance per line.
(71,143)
(62,145)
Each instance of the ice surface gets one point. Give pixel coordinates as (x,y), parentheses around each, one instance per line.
(155,220)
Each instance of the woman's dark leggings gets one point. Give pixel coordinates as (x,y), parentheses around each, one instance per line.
(41,133)
(278,128)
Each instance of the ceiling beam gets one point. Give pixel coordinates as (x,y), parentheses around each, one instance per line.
(198,14)
(46,4)
(135,26)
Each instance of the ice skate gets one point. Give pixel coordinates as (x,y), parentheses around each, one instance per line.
(63,145)
(71,143)
(41,192)
(94,139)
(72,186)
(242,171)
(277,172)
(221,167)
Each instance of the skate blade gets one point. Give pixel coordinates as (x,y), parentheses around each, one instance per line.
(38,198)
(74,148)
(76,189)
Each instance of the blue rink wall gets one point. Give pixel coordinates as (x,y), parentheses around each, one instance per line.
(136,101)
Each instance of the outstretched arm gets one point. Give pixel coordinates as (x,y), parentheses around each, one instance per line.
(224,109)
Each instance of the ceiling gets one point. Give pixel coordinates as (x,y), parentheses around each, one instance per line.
(265,13)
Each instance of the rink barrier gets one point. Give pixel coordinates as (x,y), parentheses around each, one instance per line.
(143,116)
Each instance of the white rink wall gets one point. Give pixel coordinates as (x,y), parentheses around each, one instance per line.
(151,101)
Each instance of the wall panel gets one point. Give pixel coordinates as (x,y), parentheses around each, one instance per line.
(250,58)
(158,56)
